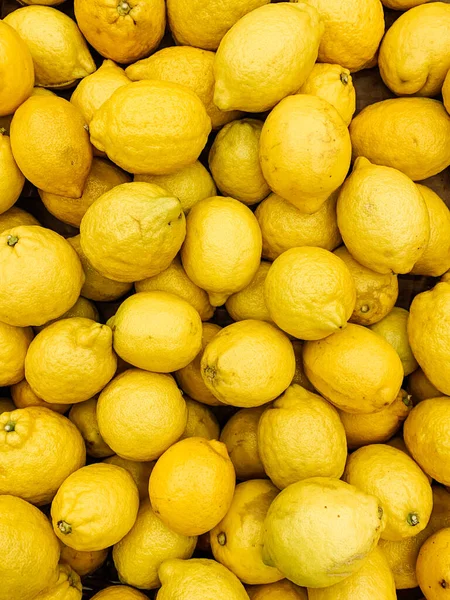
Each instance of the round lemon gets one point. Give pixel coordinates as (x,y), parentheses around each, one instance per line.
(281,590)
(420,387)
(14,343)
(84,416)
(23,397)
(119,592)
(201,421)
(11,178)
(393,327)
(15,217)
(433,567)
(17,72)
(250,303)
(68,586)
(83,563)
(139,471)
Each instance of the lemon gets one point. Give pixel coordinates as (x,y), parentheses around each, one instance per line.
(334,84)
(429,334)
(305,514)
(248,364)
(436,259)
(337,368)
(14,343)
(309,292)
(376,293)
(237,540)
(192,486)
(119,592)
(222,249)
(373,581)
(50,144)
(393,234)
(300,375)
(29,548)
(393,327)
(377,427)
(353,31)
(68,586)
(408,134)
(240,436)
(84,416)
(413,57)
(402,4)
(190,184)
(420,387)
(281,590)
(433,571)
(124,31)
(190,377)
(305,151)
(174,280)
(39,448)
(138,556)
(151,407)
(59,51)
(17,73)
(14,217)
(250,303)
(234,161)
(154,127)
(83,563)
(70,361)
(265,56)
(446,92)
(11,179)
(157,331)
(81,308)
(41,276)
(403,488)
(201,421)
(23,397)
(198,578)
(95,507)
(132,232)
(191,67)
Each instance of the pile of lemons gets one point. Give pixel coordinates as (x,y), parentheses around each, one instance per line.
(208,377)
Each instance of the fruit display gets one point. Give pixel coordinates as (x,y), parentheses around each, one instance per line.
(224,300)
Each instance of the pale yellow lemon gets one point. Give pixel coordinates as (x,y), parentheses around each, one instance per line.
(309,292)
(17,73)
(82,308)
(141,414)
(250,303)
(41,274)
(139,471)
(174,280)
(393,328)
(300,377)
(67,587)
(133,231)
(408,134)
(234,161)
(420,387)
(83,563)
(433,566)
(95,507)
(60,53)
(192,486)
(154,127)
(14,217)
(39,449)
(201,421)
(84,416)
(119,592)
(248,363)
(304,151)
(305,514)
(376,293)
(281,590)
(11,178)
(14,343)
(337,368)
(23,397)
(222,249)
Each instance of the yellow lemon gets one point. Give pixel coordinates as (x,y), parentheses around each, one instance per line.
(83,563)
(139,471)
(39,448)
(14,217)
(17,72)
(414,58)
(82,308)
(41,276)
(309,292)
(60,53)
(190,184)
(377,427)
(433,566)
(222,249)
(138,556)
(305,514)
(300,375)
(265,56)
(50,144)
(250,303)
(393,234)
(281,590)
(192,486)
(393,328)
(174,280)
(14,343)
(68,586)
(154,127)
(420,387)
(408,134)
(376,293)
(334,84)
(373,581)
(305,151)
(403,488)
(95,507)
(190,377)
(353,31)
(240,436)
(23,397)
(29,548)
(84,416)
(337,368)
(119,592)
(301,435)
(248,364)
(11,178)
(201,421)
(132,232)
(191,67)
(151,406)
(237,540)
(284,227)
(234,161)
